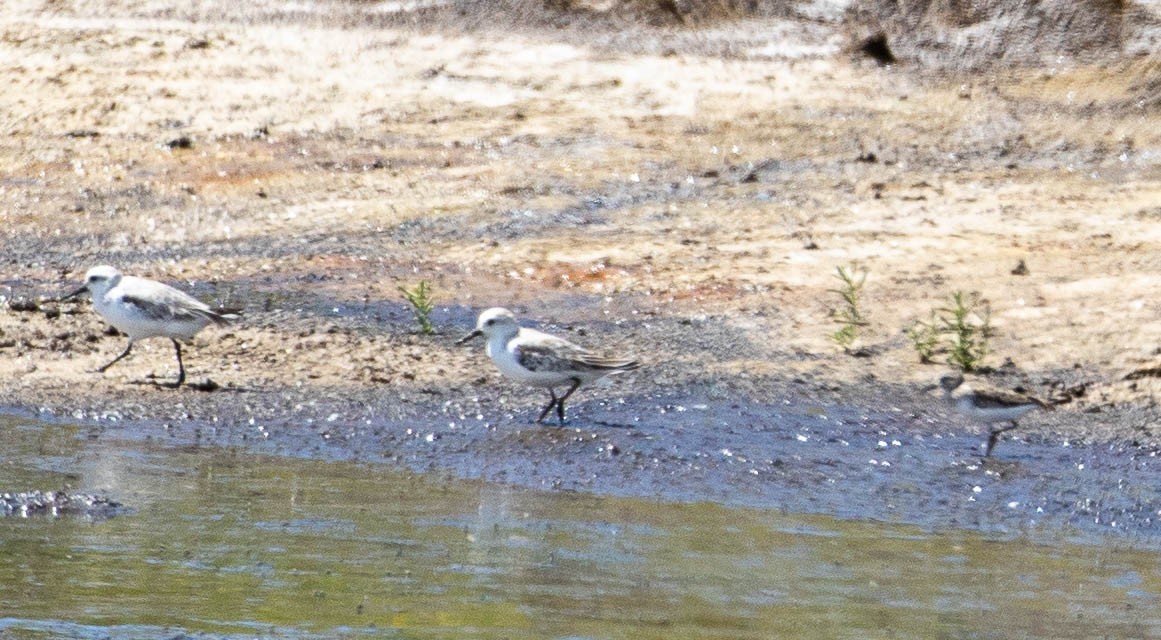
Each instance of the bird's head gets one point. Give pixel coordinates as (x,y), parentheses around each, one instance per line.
(98,280)
(496,321)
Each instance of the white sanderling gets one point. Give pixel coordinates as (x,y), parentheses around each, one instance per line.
(143,308)
(538,359)
(987,405)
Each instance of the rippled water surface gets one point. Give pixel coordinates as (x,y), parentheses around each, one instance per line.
(222,543)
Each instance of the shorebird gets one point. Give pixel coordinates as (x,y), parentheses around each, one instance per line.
(987,405)
(142,308)
(542,360)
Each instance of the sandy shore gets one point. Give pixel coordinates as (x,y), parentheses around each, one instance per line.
(687,206)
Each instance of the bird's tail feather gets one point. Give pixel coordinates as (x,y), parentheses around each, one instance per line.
(222,317)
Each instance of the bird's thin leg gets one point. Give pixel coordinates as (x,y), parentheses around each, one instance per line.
(180,366)
(994,437)
(128,348)
(552,404)
(560,403)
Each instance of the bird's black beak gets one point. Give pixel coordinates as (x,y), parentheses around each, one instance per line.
(475,334)
(930,387)
(75,293)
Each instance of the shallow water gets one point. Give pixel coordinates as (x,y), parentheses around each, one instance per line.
(222,543)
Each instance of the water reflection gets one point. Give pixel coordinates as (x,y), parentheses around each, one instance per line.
(226,544)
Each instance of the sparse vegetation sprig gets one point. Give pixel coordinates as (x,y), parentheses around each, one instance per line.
(960,330)
(420,299)
(850,314)
(968,329)
(925,338)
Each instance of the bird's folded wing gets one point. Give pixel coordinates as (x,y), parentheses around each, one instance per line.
(992,397)
(177,308)
(598,361)
(549,356)
(543,352)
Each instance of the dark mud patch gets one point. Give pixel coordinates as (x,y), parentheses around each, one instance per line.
(804,457)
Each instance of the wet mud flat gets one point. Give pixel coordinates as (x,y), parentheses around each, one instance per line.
(811,452)
(796,458)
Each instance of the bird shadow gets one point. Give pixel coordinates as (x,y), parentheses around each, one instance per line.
(606,423)
(205,386)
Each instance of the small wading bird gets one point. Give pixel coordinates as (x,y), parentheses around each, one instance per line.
(987,405)
(142,308)
(538,359)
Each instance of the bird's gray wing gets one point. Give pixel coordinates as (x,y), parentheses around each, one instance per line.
(178,308)
(548,356)
(561,355)
(608,363)
(994,398)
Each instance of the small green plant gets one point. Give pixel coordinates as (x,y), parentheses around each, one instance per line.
(419,297)
(850,316)
(925,338)
(967,330)
(960,330)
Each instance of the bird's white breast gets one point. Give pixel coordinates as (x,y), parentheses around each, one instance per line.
(503,354)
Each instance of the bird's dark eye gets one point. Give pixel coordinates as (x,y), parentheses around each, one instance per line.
(490,322)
